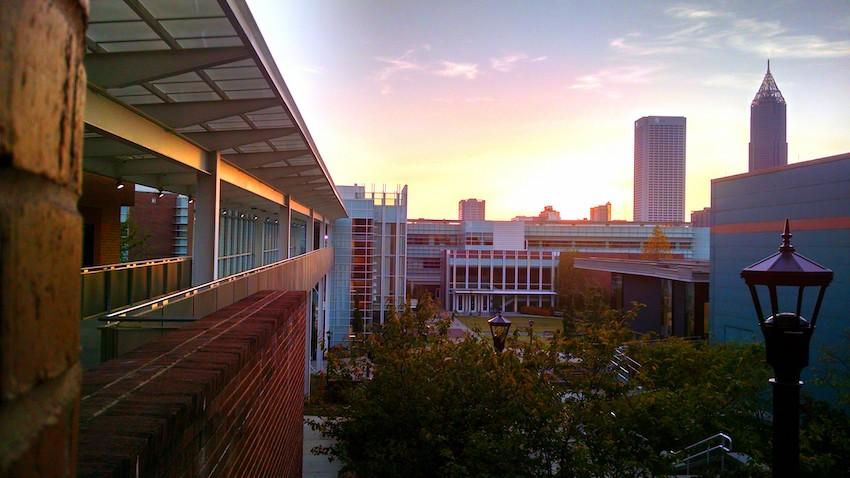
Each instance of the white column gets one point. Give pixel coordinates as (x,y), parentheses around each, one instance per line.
(259,226)
(285,228)
(311,224)
(207,215)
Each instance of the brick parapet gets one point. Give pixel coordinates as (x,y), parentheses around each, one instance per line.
(42,89)
(219,397)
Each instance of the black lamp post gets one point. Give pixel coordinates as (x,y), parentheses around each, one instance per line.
(499,327)
(787,336)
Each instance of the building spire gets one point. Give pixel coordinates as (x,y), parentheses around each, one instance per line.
(768,90)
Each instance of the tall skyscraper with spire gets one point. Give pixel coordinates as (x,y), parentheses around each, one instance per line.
(768,146)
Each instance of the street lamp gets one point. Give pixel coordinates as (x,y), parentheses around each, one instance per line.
(787,336)
(499,327)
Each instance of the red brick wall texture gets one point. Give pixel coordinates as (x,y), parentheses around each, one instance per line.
(222,396)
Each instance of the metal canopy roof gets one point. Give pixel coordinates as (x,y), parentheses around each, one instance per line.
(202,69)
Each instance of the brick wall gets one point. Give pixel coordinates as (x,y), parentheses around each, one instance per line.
(222,396)
(100,205)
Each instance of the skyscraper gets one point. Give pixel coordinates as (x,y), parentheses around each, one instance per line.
(470,209)
(659,188)
(768,145)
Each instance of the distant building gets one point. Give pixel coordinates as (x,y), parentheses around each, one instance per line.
(601,213)
(370,259)
(659,176)
(547,214)
(471,210)
(768,144)
(427,239)
(701,218)
(749,213)
(674,293)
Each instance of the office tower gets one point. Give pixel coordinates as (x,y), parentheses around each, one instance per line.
(601,213)
(659,180)
(470,209)
(768,145)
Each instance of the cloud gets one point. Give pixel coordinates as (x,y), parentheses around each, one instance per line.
(711,29)
(690,11)
(624,75)
(451,69)
(507,63)
(396,65)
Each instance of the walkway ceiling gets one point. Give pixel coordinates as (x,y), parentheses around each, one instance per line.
(201,68)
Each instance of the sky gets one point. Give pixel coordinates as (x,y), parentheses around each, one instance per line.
(526,104)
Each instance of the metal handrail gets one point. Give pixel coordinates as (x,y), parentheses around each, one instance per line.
(132,265)
(724,438)
(186,293)
(725,445)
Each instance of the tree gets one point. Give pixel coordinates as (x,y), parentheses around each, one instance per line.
(657,246)
(132,241)
(560,407)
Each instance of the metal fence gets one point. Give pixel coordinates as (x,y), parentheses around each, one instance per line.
(114,286)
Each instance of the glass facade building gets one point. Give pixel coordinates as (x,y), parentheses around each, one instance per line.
(370,260)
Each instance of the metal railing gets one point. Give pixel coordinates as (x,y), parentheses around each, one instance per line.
(113,286)
(701,452)
(624,366)
(127,328)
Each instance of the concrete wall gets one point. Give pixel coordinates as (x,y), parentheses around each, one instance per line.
(749,211)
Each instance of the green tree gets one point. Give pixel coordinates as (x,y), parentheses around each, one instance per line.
(657,246)
(430,406)
(133,241)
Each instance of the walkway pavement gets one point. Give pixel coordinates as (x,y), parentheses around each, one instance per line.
(317,466)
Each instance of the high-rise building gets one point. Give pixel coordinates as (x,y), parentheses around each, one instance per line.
(470,209)
(601,213)
(659,187)
(768,145)
(370,260)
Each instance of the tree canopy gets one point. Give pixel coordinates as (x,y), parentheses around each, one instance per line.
(572,406)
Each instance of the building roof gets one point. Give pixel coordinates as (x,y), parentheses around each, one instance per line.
(202,69)
(768,92)
(801,164)
(678,270)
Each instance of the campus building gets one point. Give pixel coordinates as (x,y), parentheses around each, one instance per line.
(370,260)
(427,239)
(659,170)
(768,143)
(674,293)
(471,210)
(749,211)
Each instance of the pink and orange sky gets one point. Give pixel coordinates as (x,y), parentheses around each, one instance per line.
(526,104)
